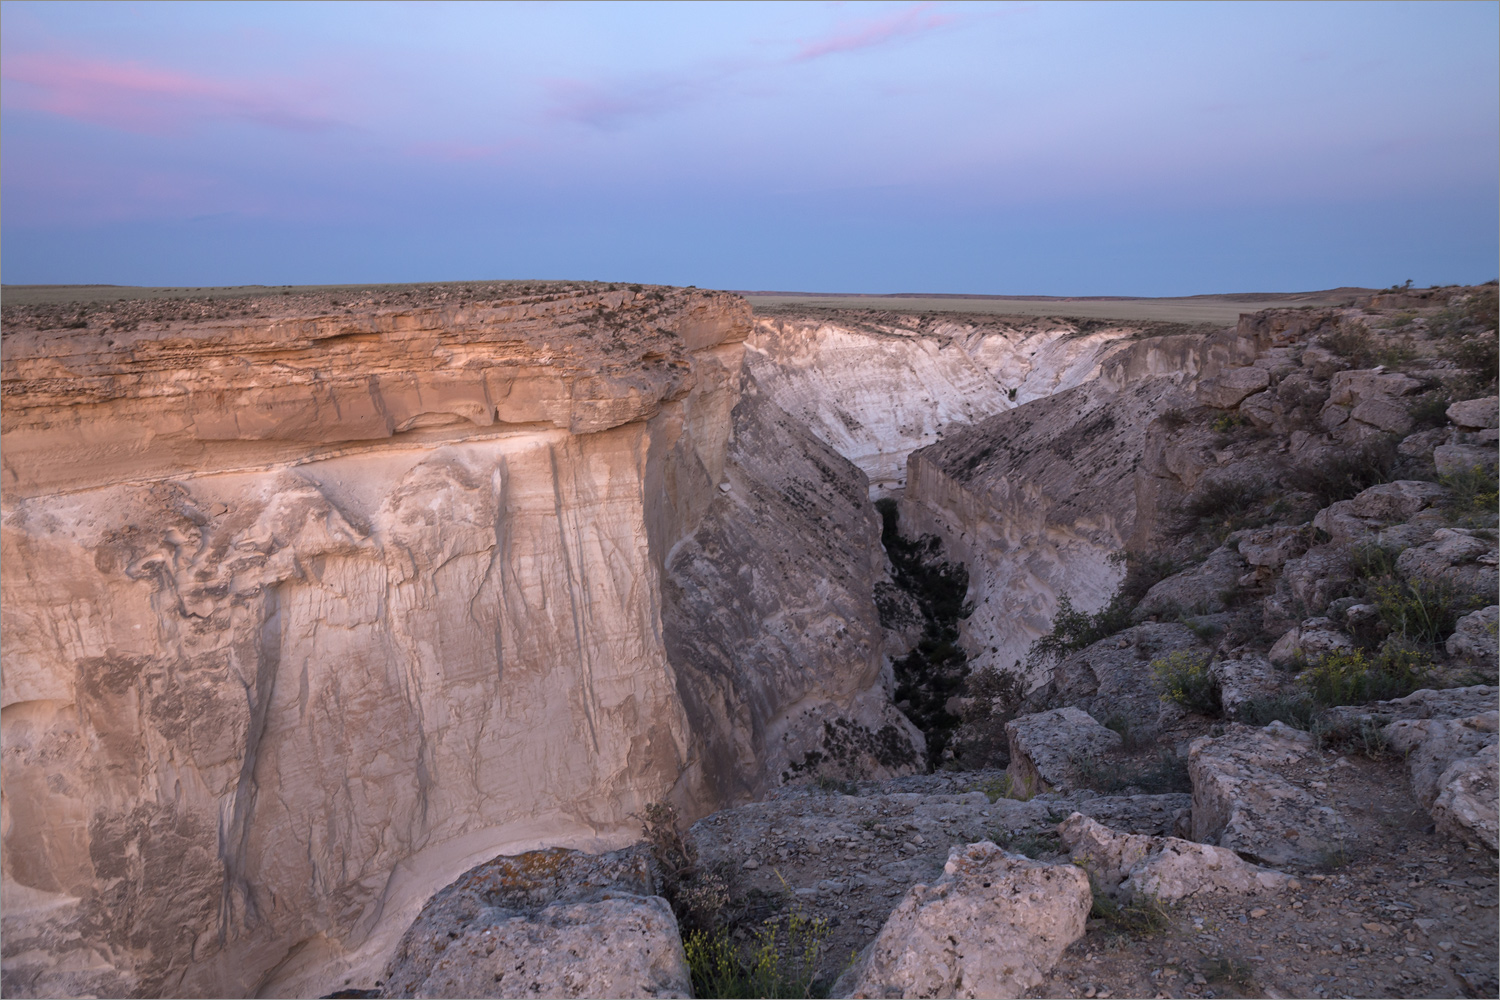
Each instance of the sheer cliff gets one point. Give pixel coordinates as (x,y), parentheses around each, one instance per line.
(312,604)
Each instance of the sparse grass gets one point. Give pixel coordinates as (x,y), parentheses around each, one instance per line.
(1473,495)
(1352,342)
(1421,611)
(1139,915)
(1362,737)
(1297,711)
(1006,787)
(1165,773)
(1033,845)
(1185,679)
(777,962)
(1222,505)
(1229,970)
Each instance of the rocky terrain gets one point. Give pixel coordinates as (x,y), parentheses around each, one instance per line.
(1166,668)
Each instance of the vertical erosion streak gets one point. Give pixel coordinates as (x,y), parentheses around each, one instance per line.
(234,833)
(575,581)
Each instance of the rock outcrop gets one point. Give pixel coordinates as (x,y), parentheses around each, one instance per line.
(308,612)
(990,927)
(1047,749)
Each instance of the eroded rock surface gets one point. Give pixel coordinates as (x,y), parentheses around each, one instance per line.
(1166,868)
(1047,749)
(992,926)
(1245,799)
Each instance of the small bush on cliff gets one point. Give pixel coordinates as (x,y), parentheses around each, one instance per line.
(776,962)
(1472,496)
(1350,677)
(1185,679)
(1342,476)
(698,896)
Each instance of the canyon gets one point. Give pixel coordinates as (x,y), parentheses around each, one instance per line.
(315,601)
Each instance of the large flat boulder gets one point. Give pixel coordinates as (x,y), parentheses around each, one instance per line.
(1242,801)
(1112,679)
(1460,558)
(1167,868)
(1475,414)
(1360,517)
(1225,391)
(1473,637)
(1199,590)
(991,926)
(532,911)
(1466,804)
(1046,748)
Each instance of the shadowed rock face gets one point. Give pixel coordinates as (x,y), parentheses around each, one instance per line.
(308,613)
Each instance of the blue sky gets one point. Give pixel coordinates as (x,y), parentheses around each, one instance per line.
(1012,148)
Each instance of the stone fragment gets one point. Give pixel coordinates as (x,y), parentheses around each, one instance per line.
(1473,637)
(1199,590)
(1466,805)
(1323,362)
(619,946)
(1113,676)
(1242,802)
(1451,459)
(1046,748)
(1461,558)
(1166,868)
(1227,390)
(1260,408)
(991,926)
(1272,547)
(1475,414)
(1245,679)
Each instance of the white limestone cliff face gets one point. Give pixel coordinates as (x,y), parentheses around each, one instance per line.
(307,614)
(877,388)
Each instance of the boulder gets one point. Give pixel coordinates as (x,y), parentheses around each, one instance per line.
(1431,745)
(1351,388)
(1451,459)
(1242,802)
(1473,637)
(1200,589)
(1113,676)
(1444,703)
(992,926)
(1383,413)
(1045,748)
(618,946)
(1323,362)
(1261,408)
(1312,579)
(1167,868)
(1475,414)
(1272,547)
(1356,519)
(1420,444)
(1461,558)
(501,903)
(1466,805)
(1314,638)
(1245,679)
(1225,391)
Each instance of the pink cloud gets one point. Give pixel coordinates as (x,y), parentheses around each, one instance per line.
(607,105)
(911,21)
(137,98)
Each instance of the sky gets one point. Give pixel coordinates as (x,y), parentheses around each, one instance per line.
(984,148)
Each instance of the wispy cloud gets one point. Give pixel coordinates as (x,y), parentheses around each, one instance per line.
(135,97)
(869,33)
(607,105)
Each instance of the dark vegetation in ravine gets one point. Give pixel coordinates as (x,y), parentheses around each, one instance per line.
(933,673)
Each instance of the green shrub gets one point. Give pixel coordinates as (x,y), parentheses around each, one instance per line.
(1349,677)
(1185,679)
(1430,410)
(1351,341)
(1033,845)
(1364,737)
(1073,629)
(1227,503)
(1474,491)
(1421,611)
(773,964)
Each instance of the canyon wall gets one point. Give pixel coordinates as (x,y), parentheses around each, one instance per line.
(1043,500)
(311,605)
(875,387)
